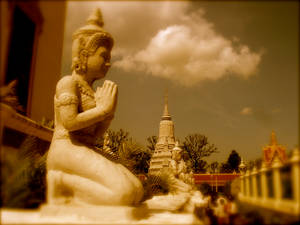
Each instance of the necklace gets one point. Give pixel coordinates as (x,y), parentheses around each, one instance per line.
(84,88)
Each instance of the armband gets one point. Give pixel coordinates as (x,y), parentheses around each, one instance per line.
(66,99)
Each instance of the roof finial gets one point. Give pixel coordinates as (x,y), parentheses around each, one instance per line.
(166,115)
(96,18)
(273,138)
(166,103)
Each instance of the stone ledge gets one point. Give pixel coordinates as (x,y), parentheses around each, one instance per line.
(95,215)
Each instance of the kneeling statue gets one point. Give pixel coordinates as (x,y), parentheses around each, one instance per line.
(76,172)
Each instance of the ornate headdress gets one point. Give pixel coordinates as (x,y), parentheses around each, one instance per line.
(87,39)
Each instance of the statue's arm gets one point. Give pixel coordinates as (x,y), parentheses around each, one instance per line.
(71,119)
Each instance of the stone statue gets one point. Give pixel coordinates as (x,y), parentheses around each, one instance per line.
(177,171)
(183,195)
(179,167)
(76,172)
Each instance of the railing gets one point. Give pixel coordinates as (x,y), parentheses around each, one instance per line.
(13,120)
(275,187)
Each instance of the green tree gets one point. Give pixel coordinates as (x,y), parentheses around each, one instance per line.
(135,156)
(116,139)
(125,150)
(197,147)
(214,166)
(225,168)
(234,161)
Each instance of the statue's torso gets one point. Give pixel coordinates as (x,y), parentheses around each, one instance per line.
(86,101)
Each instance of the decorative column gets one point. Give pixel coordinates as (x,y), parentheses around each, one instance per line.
(242,177)
(276,164)
(263,181)
(295,160)
(247,183)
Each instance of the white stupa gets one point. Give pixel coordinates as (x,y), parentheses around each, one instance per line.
(166,142)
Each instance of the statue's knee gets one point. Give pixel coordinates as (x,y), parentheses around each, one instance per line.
(57,190)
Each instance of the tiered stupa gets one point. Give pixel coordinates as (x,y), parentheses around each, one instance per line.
(272,150)
(166,142)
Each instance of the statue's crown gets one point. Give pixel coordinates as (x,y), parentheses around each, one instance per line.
(94,24)
(96,18)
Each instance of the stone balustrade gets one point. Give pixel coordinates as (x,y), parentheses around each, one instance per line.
(275,187)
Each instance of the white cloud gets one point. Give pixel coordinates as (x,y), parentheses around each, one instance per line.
(189,51)
(247,111)
(167,39)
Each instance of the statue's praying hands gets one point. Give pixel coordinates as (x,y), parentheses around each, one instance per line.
(107,96)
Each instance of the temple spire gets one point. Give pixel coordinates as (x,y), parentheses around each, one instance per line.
(166,115)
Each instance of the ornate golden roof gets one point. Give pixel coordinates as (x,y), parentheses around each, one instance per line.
(273,149)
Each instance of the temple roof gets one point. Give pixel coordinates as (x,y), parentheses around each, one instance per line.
(273,149)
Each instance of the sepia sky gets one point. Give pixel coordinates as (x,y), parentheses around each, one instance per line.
(231,69)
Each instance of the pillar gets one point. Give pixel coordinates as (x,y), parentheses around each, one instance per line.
(247,183)
(276,164)
(242,177)
(263,181)
(295,160)
(254,182)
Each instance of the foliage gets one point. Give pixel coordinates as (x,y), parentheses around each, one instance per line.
(196,146)
(234,161)
(214,166)
(117,138)
(127,151)
(251,163)
(135,156)
(159,183)
(225,168)
(202,166)
(23,171)
(152,140)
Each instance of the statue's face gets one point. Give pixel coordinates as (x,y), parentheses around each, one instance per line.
(98,63)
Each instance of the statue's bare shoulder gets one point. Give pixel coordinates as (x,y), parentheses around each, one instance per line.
(67,84)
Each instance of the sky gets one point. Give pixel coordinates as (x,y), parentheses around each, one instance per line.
(231,69)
